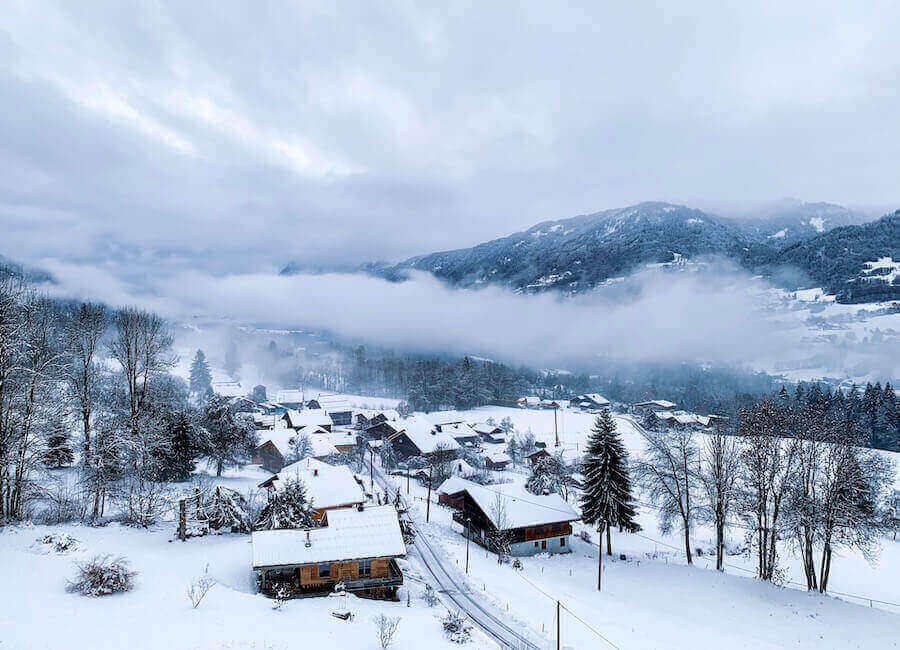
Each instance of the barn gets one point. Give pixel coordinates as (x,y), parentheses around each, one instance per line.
(335,406)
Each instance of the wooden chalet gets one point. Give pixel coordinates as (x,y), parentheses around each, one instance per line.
(418,437)
(357,547)
(490,433)
(335,406)
(536,456)
(295,419)
(497,461)
(529,402)
(289,399)
(589,402)
(383,429)
(652,406)
(464,434)
(534,524)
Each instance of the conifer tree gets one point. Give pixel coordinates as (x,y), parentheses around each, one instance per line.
(288,507)
(607,499)
(59,451)
(201,379)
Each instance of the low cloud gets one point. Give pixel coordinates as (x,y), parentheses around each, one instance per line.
(712,314)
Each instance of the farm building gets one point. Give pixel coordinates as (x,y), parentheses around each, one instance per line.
(357,546)
(418,437)
(328,487)
(264,421)
(344,441)
(334,405)
(589,402)
(307,417)
(534,524)
(682,419)
(274,449)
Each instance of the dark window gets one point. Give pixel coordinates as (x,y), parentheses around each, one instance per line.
(535,544)
(324,570)
(543,544)
(562,541)
(365,568)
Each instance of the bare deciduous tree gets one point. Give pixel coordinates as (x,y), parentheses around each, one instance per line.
(718,474)
(85,326)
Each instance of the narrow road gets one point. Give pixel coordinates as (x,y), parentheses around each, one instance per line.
(487,617)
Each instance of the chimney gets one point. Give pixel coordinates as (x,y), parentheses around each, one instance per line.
(308,542)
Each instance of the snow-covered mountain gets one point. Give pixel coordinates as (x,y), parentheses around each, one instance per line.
(581,252)
(788,221)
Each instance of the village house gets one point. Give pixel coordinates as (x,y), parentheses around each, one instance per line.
(296,420)
(344,441)
(275,446)
(652,406)
(461,432)
(489,433)
(536,456)
(289,399)
(529,402)
(550,404)
(383,429)
(533,524)
(683,419)
(263,421)
(497,461)
(328,487)
(335,406)
(371,418)
(358,547)
(419,437)
(589,402)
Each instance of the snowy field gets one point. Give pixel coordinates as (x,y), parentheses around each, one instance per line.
(649,600)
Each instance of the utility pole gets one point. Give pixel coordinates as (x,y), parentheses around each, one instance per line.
(428,501)
(557,625)
(407,480)
(372,469)
(599,555)
(467,540)
(555,428)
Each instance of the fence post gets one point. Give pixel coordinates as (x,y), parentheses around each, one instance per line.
(182,519)
(197,497)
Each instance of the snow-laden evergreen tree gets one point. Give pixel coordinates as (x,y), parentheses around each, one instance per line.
(231,438)
(288,507)
(228,511)
(607,498)
(59,451)
(547,476)
(201,379)
(513,450)
(185,443)
(301,447)
(387,455)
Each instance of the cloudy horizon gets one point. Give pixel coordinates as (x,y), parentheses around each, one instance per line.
(221,137)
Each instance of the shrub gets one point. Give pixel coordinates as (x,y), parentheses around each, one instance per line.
(61,543)
(102,575)
(386,627)
(199,588)
(585,536)
(456,629)
(430,597)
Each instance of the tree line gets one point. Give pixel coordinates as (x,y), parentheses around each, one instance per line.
(81,367)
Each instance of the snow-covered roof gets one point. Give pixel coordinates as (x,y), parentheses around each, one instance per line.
(333,403)
(342,438)
(281,438)
(498,457)
(308,417)
(327,486)
(683,417)
(459,430)
(521,507)
(321,444)
(595,398)
(530,399)
(486,429)
(660,403)
(349,535)
(460,467)
(289,397)
(424,436)
(264,420)
(228,388)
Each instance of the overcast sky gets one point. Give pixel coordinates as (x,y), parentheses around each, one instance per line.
(238,136)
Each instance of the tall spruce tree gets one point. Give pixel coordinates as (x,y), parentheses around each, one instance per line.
(201,379)
(606,500)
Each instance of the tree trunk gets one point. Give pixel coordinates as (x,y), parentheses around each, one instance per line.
(687,545)
(720,543)
(219,467)
(609,540)
(86,417)
(599,557)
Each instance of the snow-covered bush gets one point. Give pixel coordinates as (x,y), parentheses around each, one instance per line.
(102,575)
(281,594)
(386,627)
(430,597)
(61,543)
(517,564)
(199,587)
(456,629)
(228,511)
(585,536)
